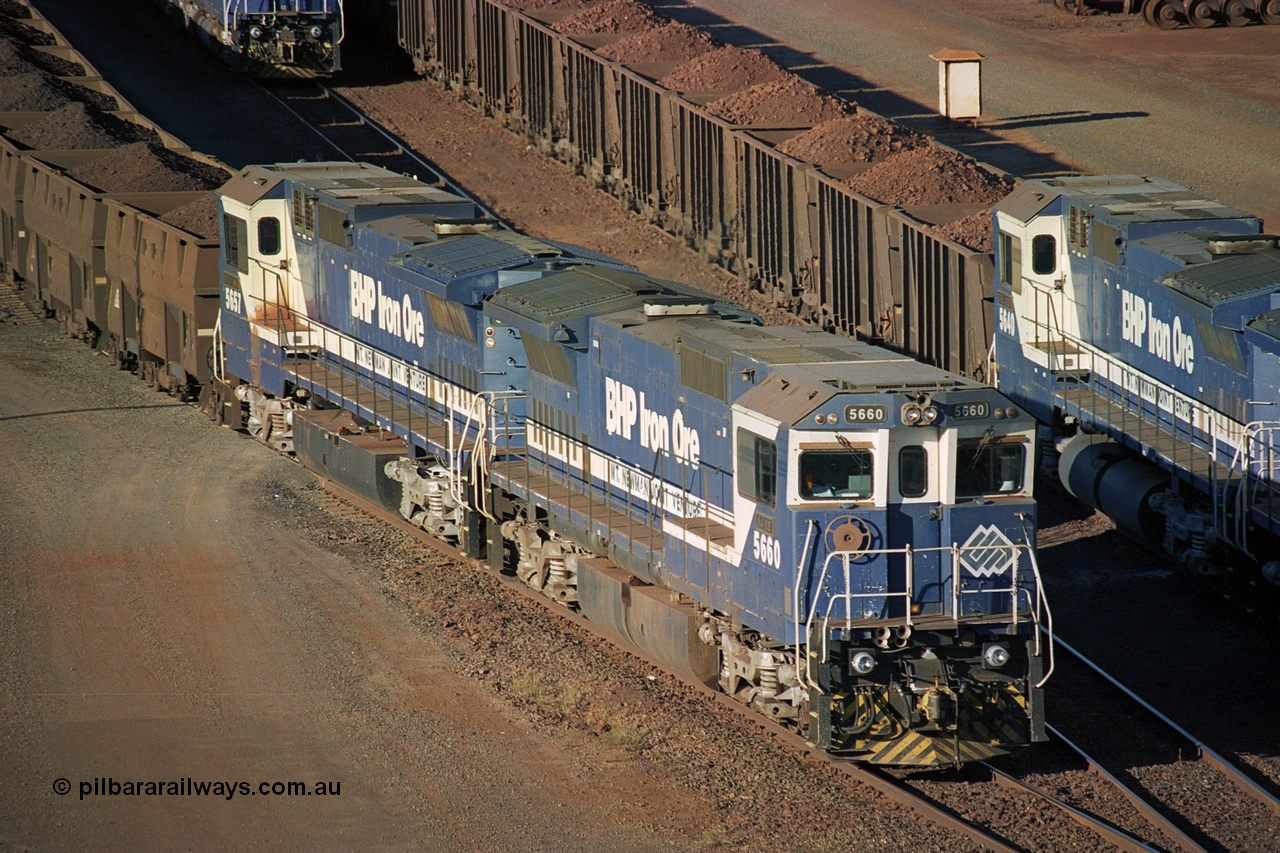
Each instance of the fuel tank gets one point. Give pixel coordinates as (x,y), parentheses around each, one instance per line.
(1116,481)
(329,443)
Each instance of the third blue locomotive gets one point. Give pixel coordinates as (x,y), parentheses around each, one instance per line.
(268,38)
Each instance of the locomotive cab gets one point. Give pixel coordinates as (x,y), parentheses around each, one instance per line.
(908,518)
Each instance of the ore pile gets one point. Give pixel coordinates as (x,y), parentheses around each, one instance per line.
(200,217)
(971,231)
(24,34)
(860,138)
(726,69)
(670,43)
(78,126)
(612,16)
(538,5)
(790,102)
(145,167)
(39,92)
(930,175)
(18,59)
(13,60)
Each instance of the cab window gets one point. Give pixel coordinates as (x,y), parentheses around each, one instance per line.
(832,474)
(913,471)
(757,468)
(268,236)
(989,469)
(1044,254)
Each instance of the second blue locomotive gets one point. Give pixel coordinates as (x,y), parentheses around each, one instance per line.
(1141,320)
(838,536)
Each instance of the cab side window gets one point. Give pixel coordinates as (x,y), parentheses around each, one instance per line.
(757,468)
(1044,254)
(268,236)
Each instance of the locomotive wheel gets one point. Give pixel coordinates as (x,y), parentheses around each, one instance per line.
(1236,13)
(1203,13)
(1165,14)
(1269,11)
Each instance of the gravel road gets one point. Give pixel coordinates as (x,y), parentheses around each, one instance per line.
(167,614)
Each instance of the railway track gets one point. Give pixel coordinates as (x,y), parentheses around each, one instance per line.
(355,137)
(1163,768)
(1131,818)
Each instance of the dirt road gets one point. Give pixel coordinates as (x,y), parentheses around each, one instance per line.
(177,626)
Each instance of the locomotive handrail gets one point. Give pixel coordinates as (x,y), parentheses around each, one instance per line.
(1111,378)
(795,597)
(1015,590)
(481,412)
(1254,452)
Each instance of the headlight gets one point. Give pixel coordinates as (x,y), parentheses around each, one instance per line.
(255,32)
(930,414)
(995,656)
(911,415)
(316,32)
(862,663)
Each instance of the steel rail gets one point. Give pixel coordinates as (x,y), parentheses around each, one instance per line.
(434,174)
(1105,830)
(1242,781)
(309,125)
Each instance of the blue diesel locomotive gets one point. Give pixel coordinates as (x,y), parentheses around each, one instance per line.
(836,535)
(1141,321)
(268,38)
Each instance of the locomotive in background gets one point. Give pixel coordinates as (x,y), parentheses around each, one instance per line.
(1142,321)
(268,38)
(836,535)
(1171,14)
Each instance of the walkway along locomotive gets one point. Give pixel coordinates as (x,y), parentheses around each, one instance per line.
(837,535)
(1142,321)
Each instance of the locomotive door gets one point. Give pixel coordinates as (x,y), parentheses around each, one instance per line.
(1043,266)
(916,480)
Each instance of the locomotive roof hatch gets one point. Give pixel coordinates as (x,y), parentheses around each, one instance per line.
(1134,198)
(1230,278)
(559,306)
(419,228)
(471,255)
